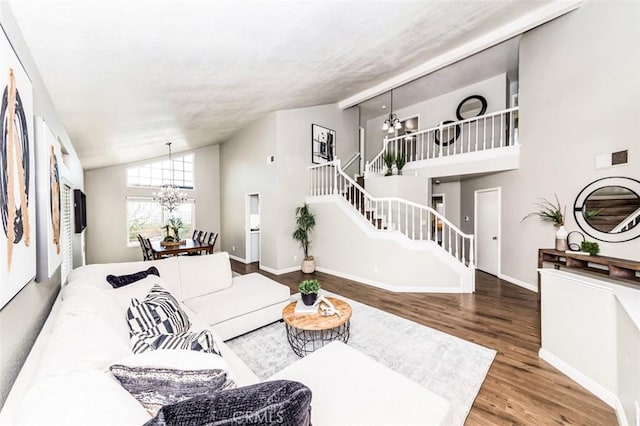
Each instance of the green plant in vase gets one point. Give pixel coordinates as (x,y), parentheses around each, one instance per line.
(176,225)
(400,162)
(388,159)
(555,213)
(309,291)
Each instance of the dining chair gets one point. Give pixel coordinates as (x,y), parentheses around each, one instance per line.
(147,247)
(195,234)
(145,254)
(212,239)
(203,238)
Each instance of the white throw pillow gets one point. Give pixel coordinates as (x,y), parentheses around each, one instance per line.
(200,275)
(87,398)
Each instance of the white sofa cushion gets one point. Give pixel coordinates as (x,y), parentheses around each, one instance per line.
(249,293)
(90,397)
(201,275)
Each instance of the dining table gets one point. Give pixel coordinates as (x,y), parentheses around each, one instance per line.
(188,245)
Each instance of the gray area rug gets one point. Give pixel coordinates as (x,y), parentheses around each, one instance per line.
(446,365)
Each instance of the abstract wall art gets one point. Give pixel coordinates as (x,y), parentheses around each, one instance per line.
(17,177)
(323,144)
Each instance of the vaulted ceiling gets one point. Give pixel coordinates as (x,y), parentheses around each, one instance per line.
(126,76)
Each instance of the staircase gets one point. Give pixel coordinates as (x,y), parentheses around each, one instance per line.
(405,219)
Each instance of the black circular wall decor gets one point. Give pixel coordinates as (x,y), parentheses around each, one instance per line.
(471,106)
(448,131)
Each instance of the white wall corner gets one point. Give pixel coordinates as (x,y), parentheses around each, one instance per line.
(238,259)
(519,283)
(592,386)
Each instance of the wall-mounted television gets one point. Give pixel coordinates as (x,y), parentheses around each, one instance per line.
(80,210)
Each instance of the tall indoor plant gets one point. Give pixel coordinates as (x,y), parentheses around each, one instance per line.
(305,221)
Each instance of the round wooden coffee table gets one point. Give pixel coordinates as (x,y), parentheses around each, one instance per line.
(309,332)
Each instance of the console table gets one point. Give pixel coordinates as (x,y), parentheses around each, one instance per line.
(620,269)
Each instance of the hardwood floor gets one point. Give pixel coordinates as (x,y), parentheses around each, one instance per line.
(520,388)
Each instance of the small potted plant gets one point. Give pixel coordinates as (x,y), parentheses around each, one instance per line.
(388,159)
(305,220)
(590,247)
(176,225)
(309,291)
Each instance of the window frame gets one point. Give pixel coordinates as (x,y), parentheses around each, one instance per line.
(165,171)
(164,214)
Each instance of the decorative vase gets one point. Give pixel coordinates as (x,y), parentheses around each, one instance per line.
(309,298)
(308,265)
(394,170)
(561,239)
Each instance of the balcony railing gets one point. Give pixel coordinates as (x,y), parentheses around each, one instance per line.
(486,132)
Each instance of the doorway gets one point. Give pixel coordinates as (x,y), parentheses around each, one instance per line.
(487,214)
(252,228)
(437,203)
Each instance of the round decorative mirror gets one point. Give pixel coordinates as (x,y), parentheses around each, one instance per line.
(471,106)
(608,209)
(450,134)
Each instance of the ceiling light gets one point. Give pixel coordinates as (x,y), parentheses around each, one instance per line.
(392,122)
(169,195)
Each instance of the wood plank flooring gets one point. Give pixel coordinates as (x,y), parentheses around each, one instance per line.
(520,388)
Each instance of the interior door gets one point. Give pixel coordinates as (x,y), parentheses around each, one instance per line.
(487,230)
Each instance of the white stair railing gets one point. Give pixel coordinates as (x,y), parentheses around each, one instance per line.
(631,221)
(482,133)
(390,214)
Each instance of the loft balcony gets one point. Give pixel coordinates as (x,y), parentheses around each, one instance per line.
(483,144)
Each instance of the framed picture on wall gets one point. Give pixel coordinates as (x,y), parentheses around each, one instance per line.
(323,144)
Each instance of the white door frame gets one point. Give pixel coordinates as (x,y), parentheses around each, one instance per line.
(475,224)
(247,226)
(444,203)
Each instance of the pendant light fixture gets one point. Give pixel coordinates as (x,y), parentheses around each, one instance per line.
(169,195)
(392,123)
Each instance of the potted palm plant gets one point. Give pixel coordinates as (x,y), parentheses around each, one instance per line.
(309,291)
(305,220)
(400,162)
(388,159)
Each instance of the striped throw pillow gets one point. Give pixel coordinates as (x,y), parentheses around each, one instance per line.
(158,313)
(197,341)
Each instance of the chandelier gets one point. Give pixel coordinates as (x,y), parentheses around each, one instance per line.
(392,123)
(169,195)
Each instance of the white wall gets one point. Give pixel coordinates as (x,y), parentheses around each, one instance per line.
(23,317)
(411,188)
(578,97)
(244,170)
(282,185)
(432,111)
(107,192)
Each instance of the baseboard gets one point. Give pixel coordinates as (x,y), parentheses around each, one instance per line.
(239,259)
(519,283)
(280,271)
(395,289)
(589,384)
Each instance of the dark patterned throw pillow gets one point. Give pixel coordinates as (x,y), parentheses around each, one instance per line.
(117,281)
(155,387)
(158,313)
(281,402)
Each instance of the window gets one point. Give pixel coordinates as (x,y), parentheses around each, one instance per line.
(159,173)
(146,217)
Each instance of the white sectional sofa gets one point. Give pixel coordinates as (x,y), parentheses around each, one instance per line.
(66,380)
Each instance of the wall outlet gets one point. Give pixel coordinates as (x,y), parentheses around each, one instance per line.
(466,218)
(271,159)
(376,269)
(295,258)
(233,248)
